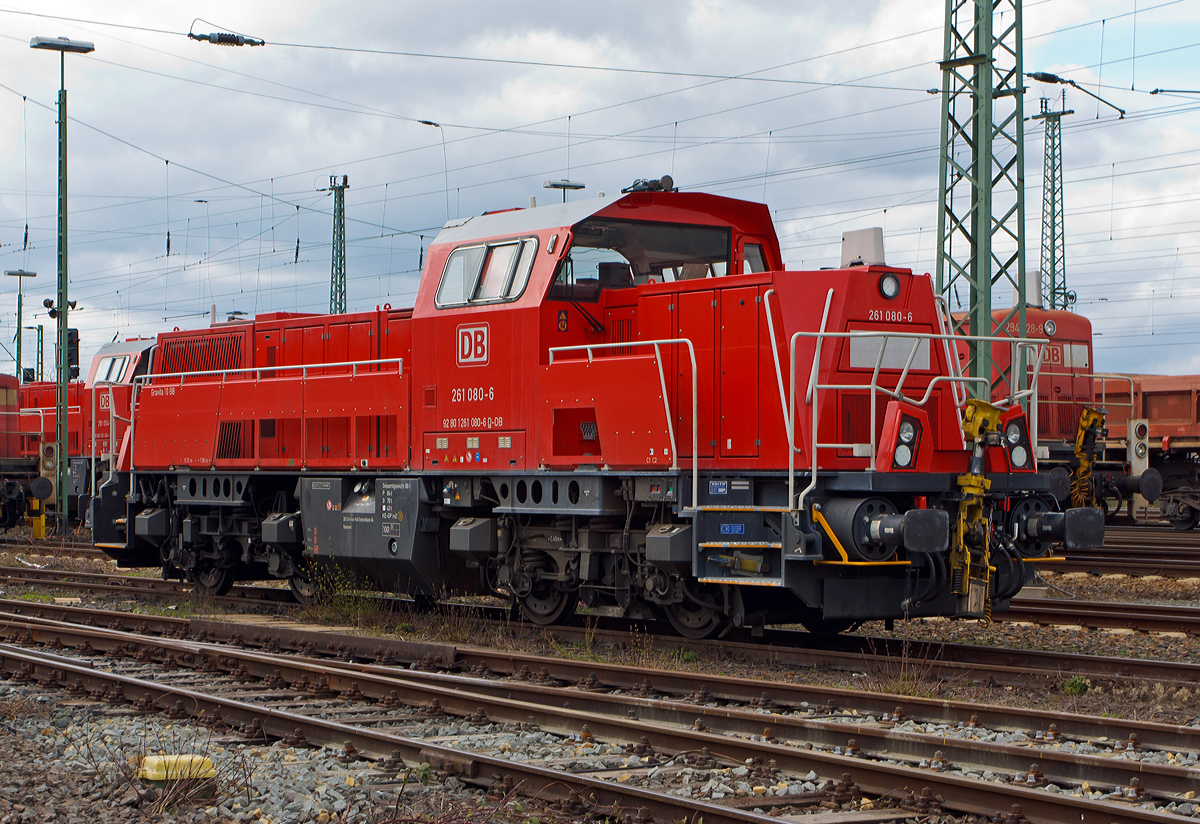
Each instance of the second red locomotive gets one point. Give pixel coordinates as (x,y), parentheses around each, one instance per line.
(625,403)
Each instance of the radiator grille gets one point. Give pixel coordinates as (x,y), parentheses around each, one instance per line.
(621,330)
(229,440)
(209,353)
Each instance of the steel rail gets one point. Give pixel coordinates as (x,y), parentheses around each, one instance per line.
(106,582)
(1105,615)
(782,695)
(968,795)
(516,702)
(490,772)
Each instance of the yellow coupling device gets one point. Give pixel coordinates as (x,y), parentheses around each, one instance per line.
(1091,427)
(970,553)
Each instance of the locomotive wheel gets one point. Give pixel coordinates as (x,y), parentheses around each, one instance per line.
(1183,524)
(694,621)
(305,591)
(546,606)
(1187,516)
(215,580)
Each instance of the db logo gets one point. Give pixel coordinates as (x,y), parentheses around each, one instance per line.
(105,402)
(473,345)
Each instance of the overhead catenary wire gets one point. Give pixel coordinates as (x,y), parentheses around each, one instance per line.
(386,193)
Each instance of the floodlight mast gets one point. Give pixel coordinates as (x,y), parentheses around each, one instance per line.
(62,45)
(565,186)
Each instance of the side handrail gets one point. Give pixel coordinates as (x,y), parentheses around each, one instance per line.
(946,327)
(589,347)
(113,417)
(258,370)
(787,416)
(42,412)
(143,381)
(814,387)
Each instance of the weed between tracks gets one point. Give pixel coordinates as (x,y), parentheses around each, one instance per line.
(905,674)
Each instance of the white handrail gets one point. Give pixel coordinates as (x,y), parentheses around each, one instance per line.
(588,347)
(41,412)
(142,381)
(258,370)
(814,387)
(113,417)
(787,418)
(810,398)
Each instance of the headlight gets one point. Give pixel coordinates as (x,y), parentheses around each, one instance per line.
(1051,327)
(889,286)
(1141,430)
(907,432)
(1013,433)
(1019,456)
(903,455)
(1140,450)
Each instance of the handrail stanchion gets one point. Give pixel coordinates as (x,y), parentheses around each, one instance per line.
(588,349)
(783,405)
(873,387)
(811,397)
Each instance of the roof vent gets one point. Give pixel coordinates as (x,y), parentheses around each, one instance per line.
(862,247)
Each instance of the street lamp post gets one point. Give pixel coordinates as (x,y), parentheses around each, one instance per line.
(20,275)
(62,45)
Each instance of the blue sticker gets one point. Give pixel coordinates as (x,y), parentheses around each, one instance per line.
(733,529)
(476,457)
(718,487)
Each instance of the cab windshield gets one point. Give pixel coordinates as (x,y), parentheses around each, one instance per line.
(619,254)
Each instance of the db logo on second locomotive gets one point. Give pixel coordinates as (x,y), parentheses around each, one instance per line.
(472,345)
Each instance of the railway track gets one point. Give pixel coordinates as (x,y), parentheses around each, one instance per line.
(678,725)
(853,653)
(1139,551)
(136,585)
(53,547)
(1105,615)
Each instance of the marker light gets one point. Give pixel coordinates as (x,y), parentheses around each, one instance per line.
(889,286)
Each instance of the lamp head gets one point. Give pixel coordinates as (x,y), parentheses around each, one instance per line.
(62,44)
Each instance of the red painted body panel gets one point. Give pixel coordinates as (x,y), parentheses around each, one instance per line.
(475,376)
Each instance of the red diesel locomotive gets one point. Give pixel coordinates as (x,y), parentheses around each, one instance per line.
(97,415)
(624,402)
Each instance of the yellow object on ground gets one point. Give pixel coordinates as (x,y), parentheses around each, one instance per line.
(175,767)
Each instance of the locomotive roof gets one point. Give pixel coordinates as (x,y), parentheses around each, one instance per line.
(124,347)
(553,216)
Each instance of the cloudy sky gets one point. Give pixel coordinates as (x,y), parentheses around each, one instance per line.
(817,108)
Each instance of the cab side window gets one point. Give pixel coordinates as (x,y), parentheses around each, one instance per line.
(488,273)
(754,261)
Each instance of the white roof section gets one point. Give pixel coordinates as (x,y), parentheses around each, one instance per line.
(522,221)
